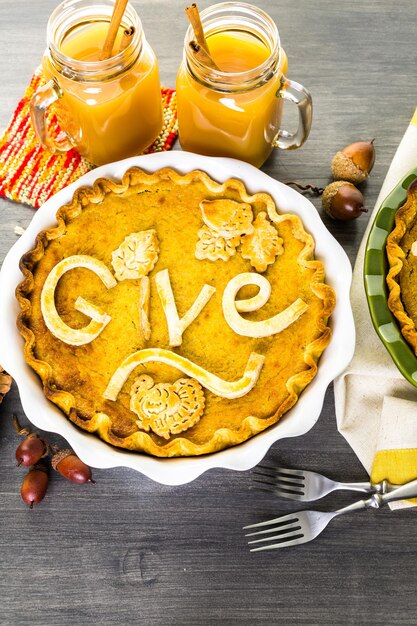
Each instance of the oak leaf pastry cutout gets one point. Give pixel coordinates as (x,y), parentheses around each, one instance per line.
(213,247)
(227,218)
(167,409)
(225,222)
(263,245)
(136,256)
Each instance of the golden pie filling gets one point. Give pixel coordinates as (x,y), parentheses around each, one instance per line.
(173,315)
(402,276)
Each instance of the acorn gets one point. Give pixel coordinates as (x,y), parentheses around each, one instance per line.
(32,449)
(34,485)
(355,162)
(67,463)
(342,201)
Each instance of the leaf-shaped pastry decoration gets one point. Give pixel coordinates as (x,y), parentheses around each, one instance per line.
(164,408)
(136,256)
(263,245)
(212,246)
(227,218)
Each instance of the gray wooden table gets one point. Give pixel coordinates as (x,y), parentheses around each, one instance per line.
(129,551)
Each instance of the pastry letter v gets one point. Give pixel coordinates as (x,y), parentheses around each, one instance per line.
(177,325)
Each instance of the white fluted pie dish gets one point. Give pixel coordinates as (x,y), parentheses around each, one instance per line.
(296,422)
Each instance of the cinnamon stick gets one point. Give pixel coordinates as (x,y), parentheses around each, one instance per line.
(126,38)
(195,21)
(116,18)
(202,56)
(200,47)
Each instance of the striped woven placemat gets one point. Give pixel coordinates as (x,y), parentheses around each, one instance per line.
(30,174)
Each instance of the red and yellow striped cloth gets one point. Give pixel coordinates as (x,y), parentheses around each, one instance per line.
(31,175)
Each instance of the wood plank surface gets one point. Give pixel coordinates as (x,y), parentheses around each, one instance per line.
(130,551)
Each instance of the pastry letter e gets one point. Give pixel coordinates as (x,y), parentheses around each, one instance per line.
(249,328)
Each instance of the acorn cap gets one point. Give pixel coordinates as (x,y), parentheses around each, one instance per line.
(58,456)
(354,162)
(330,191)
(343,168)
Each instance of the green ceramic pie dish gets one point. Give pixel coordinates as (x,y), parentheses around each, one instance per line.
(375,271)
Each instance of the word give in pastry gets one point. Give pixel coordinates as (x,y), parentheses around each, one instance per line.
(232,308)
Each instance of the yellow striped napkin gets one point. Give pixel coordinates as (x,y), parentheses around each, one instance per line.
(396,456)
(376,408)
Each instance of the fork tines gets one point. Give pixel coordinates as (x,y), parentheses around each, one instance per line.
(287,529)
(286,482)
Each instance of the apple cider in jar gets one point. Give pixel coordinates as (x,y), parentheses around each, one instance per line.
(108,109)
(236,111)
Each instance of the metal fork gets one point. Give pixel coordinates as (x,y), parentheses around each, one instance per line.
(303,526)
(306,486)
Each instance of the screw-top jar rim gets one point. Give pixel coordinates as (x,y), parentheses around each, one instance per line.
(71,13)
(239,15)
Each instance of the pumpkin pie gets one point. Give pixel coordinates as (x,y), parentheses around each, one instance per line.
(402,276)
(172,315)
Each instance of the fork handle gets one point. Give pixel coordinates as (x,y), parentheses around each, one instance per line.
(383,487)
(363,487)
(409,490)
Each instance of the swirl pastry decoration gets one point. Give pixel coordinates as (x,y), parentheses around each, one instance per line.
(164,408)
(213,383)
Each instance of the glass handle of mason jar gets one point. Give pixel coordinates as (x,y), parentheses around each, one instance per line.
(297,94)
(39,104)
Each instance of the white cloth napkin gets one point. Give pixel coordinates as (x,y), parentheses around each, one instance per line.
(371,377)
